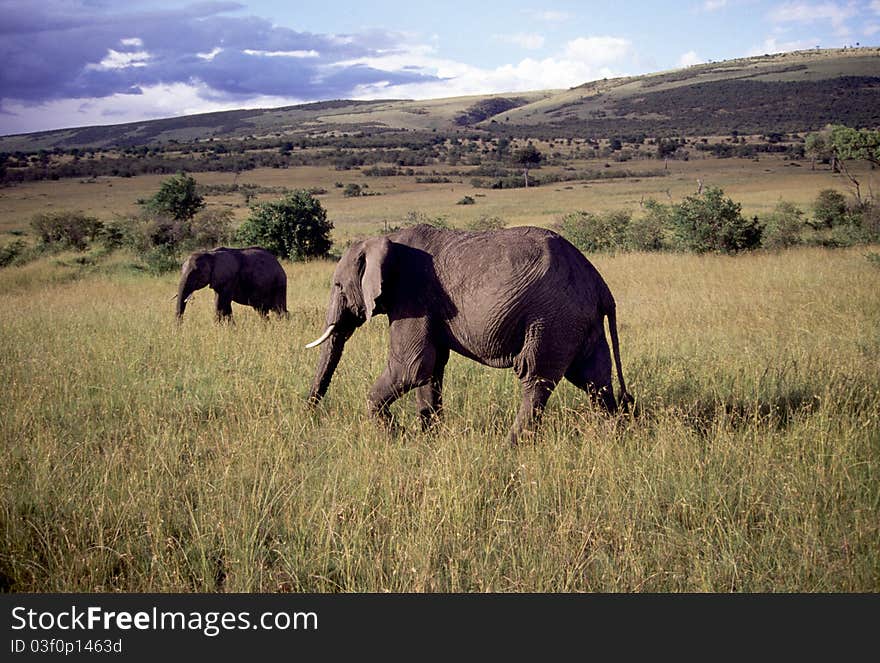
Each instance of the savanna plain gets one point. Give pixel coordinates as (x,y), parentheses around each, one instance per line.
(141,455)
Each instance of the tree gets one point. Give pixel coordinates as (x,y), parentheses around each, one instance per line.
(818,146)
(855,145)
(840,144)
(177,197)
(295,227)
(711,222)
(527,157)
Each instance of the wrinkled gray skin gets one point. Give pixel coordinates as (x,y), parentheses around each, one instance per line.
(521,297)
(252,277)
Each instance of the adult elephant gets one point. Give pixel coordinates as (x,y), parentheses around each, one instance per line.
(251,276)
(520,297)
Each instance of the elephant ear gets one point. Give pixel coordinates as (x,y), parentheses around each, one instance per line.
(377,267)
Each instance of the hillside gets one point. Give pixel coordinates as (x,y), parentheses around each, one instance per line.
(786,92)
(789,92)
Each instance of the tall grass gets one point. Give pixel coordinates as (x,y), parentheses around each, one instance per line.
(142,456)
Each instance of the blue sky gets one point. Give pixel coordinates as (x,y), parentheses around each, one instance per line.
(67,63)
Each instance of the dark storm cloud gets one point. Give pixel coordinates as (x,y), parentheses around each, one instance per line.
(54,50)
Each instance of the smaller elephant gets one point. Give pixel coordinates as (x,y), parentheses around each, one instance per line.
(251,276)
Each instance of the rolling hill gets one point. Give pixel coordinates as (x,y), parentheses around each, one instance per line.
(799,91)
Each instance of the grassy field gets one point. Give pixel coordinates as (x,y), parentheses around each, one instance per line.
(141,456)
(757,185)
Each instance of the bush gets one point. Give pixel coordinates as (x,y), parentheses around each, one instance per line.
(115,233)
(73,229)
(420,218)
(147,231)
(487,223)
(711,222)
(295,227)
(595,232)
(648,232)
(829,208)
(208,229)
(869,221)
(467,200)
(352,190)
(161,260)
(177,198)
(784,226)
(12,252)
(862,226)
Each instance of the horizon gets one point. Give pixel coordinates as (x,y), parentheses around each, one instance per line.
(81,63)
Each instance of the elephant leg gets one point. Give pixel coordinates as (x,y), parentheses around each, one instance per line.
(536,393)
(430,396)
(280,305)
(539,366)
(223,304)
(591,371)
(403,372)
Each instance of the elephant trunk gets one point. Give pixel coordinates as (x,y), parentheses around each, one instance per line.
(331,352)
(182,295)
(340,327)
(185,290)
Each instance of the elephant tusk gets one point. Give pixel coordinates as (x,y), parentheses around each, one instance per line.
(173,298)
(322,338)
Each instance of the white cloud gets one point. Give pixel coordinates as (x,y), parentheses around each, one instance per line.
(871,29)
(771,45)
(875,5)
(119,60)
(137,42)
(809,12)
(713,5)
(579,61)
(283,54)
(598,50)
(548,16)
(689,59)
(528,41)
(210,55)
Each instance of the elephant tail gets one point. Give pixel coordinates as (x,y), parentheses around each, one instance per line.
(625,400)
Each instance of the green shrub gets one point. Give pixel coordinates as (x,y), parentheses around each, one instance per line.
(867,216)
(148,230)
(784,226)
(830,209)
(648,232)
(294,227)
(209,228)
(487,223)
(414,218)
(161,259)
(709,222)
(352,190)
(177,198)
(73,229)
(596,232)
(467,200)
(12,252)
(115,233)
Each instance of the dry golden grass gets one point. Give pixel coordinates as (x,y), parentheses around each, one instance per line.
(136,455)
